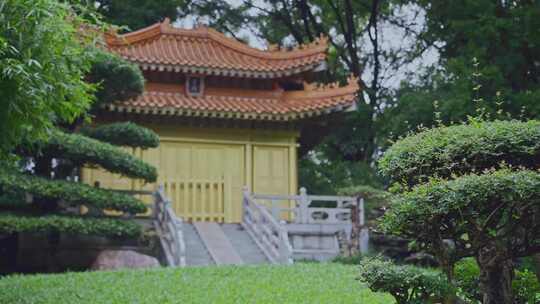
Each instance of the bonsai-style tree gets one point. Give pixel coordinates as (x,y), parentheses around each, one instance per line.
(470,190)
(43,194)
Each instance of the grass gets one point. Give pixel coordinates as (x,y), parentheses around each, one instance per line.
(299,283)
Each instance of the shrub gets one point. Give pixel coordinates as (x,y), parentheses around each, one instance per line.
(461,149)
(82,150)
(497,201)
(123,134)
(526,287)
(407,284)
(469,190)
(467,279)
(110,227)
(70,192)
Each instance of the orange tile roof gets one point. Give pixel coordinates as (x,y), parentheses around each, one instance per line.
(169,99)
(206,51)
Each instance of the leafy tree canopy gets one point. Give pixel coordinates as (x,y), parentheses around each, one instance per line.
(489,53)
(136,14)
(42,65)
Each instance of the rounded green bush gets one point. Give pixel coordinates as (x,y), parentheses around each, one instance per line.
(444,209)
(407,284)
(70,192)
(81,150)
(111,227)
(457,150)
(124,134)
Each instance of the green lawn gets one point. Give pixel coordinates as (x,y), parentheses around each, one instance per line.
(300,283)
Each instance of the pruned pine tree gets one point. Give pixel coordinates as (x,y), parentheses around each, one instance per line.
(470,190)
(43,195)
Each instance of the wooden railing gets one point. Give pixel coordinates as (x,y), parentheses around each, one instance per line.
(269,234)
(169,229)
(197,200)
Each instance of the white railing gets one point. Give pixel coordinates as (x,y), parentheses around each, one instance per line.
(313,230)
(269,234)
(301,211)
(169,229)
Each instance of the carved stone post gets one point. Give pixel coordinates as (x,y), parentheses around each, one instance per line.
(355,229)
(303,208)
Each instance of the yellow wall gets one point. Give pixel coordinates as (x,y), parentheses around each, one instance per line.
(204,170)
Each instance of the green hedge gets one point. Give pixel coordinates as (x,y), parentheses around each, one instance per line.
(123,134)
(83,150)
(449,208)
(461,149)
(71,192)
(110,227)
(407,284)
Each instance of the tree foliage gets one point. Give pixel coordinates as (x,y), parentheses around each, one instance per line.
(71,193)
(81,150)
(136,14)
(123,134)
(42,66)
(460,197)
(50,72)
(82,225)
(461,149)
(501,207)
(407,284)
(488,55)
(117,79)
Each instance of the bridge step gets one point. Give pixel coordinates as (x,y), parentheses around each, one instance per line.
(196,253)
(217,244)
(244,244)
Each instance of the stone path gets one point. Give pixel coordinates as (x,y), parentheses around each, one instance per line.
(217,244)
(196,253)
(210,243)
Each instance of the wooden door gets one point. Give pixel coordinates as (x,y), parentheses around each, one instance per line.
(271,170)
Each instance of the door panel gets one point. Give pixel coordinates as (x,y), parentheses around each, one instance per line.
(271,170)
(271,174)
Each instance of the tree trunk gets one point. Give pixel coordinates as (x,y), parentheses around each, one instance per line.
(496,274)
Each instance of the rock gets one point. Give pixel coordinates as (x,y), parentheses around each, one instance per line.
(118,259)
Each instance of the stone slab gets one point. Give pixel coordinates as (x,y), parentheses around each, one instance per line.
(217,244)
